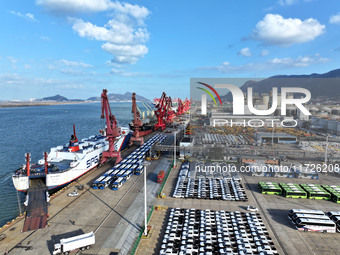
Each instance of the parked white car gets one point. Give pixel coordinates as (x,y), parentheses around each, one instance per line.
(252,208)
(73,194)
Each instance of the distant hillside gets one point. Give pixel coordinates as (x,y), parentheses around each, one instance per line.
(312,82)
(120,97)
(59,98)
(112,97)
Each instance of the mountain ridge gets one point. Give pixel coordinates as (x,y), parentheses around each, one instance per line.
(307,81)
(127,96)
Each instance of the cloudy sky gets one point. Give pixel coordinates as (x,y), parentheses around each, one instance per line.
(78,47)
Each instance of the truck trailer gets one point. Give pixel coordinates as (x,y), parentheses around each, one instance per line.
(80,242)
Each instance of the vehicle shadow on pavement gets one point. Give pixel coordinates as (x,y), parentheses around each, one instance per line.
(253,187)
(280,216)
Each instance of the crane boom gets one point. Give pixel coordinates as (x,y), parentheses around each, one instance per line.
(137,124)
(170,114)
(160,112)
(112,130)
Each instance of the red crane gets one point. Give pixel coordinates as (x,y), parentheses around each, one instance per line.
(180,107)
(137,124)
(186,105)
(170,114)
(112,131)
(160,112)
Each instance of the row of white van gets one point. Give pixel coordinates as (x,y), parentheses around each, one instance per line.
(117,176)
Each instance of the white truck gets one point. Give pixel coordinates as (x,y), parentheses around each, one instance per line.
(81,242)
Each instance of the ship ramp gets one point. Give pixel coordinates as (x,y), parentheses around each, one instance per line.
(36,215)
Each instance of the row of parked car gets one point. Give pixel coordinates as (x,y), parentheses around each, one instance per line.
(121,172)
(225,139)
(192,231)
(210,188)
(219,188)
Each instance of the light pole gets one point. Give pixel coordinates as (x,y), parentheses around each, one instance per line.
(273,136)
(174,149)
(326,151)
(145,164)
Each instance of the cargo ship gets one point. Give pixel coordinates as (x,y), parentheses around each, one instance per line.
(64,164)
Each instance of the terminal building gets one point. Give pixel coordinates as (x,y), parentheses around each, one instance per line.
(327,125)
(185,147)
(269,137)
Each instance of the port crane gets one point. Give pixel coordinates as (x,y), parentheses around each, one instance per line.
(137,124)
(160,112)
(169,114)
(180,107)
(112,130)
(186,104)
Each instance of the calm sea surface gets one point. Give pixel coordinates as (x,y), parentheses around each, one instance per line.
(36,129)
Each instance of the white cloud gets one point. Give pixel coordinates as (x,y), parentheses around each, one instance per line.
(14,79)
(276,30)
(72,6)
(13,60)
(264,53)
(335,19)
(45,38)
(299,61)
(123,73)
(74,63)
(275,63)
(75,5)
(287,2)
(290,2)
(124,35)
(27,16)
(245,52)
(125,53)
(114,32)
(26,66)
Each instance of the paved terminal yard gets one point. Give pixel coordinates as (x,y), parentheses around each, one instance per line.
(115,216)
(160,216)
(273,209)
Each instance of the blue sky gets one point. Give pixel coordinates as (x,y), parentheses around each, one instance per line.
(78,47)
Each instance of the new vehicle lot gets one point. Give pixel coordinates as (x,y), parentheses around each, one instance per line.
(191,231)
(217,187)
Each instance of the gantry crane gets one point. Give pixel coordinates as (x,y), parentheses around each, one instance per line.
(180,107)
(137,124)
(112,131)
(169,113)
(186,105)
(160,112)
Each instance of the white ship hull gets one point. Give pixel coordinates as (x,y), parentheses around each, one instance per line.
(70,165)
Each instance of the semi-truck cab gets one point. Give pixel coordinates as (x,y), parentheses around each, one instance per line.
(160,176)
